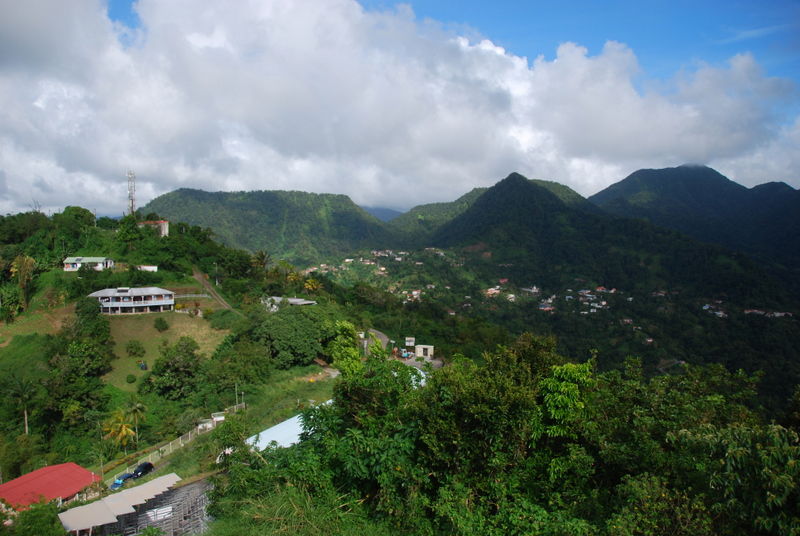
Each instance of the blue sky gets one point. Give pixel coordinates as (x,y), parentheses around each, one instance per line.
(392,104)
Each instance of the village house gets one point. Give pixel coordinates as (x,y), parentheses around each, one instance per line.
(61,483)
(127,300)
(73,264)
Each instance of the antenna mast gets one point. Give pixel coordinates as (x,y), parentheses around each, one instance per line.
(131,192)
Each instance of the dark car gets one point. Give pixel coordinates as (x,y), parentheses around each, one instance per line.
(142,469)
(120,480)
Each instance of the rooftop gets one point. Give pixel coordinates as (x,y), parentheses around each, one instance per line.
(48,483)
(129,291)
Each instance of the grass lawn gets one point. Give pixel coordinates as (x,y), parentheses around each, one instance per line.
(140,327)
(286,393)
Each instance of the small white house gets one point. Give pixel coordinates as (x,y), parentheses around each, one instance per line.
(73,264)
(424,351)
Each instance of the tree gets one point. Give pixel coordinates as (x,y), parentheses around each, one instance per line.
(136,411)
(160,324)
(176,372)
(312,285)
(23,391)
(135,348)
(118,429)
(260,262)
(41,519)
(22,268)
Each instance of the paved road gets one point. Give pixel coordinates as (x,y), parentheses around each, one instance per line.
(203,280)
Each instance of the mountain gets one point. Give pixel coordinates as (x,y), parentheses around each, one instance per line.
(525,232)
(422,221)
(301,227)
(763,221)
(382,213)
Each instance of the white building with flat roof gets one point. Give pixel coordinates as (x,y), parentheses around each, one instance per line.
(127,300)
(73,264)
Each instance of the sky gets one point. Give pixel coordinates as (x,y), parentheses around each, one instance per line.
(393,104)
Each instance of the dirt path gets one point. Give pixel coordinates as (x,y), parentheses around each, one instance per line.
(201,278)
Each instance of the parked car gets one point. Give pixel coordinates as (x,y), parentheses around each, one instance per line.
(120,481)
(142,469)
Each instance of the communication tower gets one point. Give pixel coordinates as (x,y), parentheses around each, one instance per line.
(131,192)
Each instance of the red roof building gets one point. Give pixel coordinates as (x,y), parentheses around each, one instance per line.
(61,481)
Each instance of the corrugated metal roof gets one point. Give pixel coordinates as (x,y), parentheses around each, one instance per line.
(108,508)
(85,259)
(63,480)
(133,291)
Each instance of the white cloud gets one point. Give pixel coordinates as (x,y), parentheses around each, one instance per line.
(323,96)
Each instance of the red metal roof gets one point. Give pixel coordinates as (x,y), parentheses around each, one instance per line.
(63,480)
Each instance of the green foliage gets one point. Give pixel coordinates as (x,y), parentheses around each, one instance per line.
(651,508)
(298,226)
(751,474)
(529,444)
(294,335)
(130,378)
(176,373)
(223,319)
(134,348)
(343,348)
(160,324)
(39,520)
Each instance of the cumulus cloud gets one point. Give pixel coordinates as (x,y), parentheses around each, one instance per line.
(324,96)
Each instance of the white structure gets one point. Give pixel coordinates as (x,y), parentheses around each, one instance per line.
(161,226)
(125,300)
(147,268)
(423,350)
(73,264)
(273,302)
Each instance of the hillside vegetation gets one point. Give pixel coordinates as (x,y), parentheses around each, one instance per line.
(540,422)
(763,221)
(297,226)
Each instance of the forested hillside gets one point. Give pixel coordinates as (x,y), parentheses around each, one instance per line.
(763,221)
(298,226)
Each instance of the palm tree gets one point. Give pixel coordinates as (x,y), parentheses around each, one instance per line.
(118,429)
(23,392)
(260,262)
(136,411)
(22,268)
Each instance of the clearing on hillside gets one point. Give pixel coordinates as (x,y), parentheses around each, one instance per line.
(141,328)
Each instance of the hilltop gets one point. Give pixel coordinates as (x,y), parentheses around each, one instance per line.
(298,226)
(763,221)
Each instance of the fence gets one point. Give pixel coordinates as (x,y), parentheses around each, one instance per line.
(178,296)
(206,425)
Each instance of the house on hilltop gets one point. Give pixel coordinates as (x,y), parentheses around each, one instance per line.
(73,264)
(127,300)
(62,483)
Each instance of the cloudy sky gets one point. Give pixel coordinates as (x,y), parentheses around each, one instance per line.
(392,104)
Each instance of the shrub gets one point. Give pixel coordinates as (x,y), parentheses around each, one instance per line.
(130,378)
(134,348)
(160,324)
